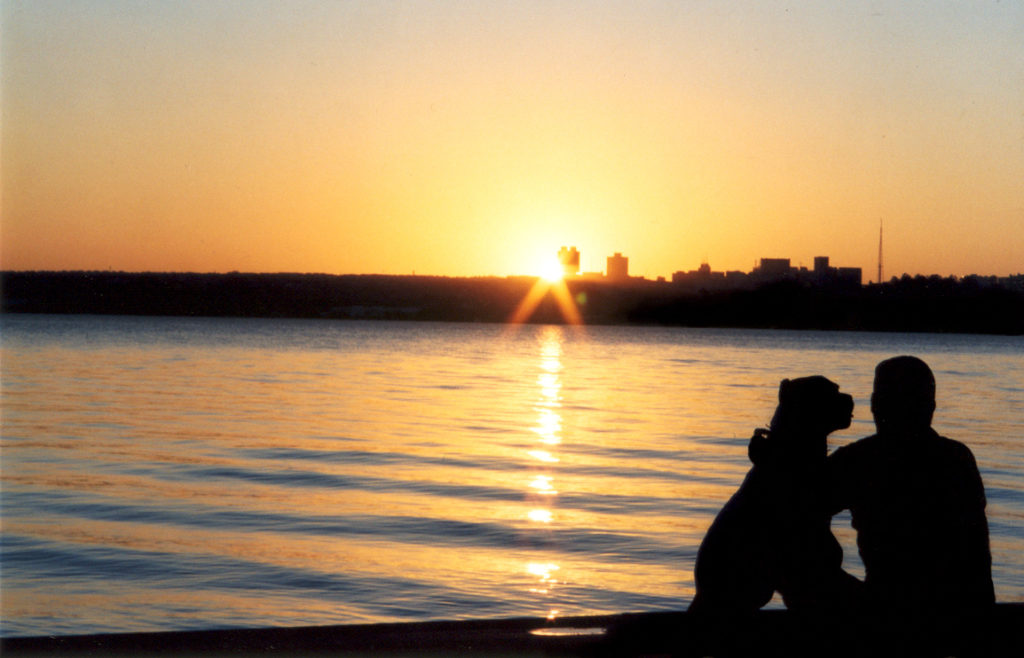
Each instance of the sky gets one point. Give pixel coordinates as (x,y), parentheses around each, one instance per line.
(476,138)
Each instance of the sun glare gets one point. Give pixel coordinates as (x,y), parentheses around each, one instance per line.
(551,271)
(551,280)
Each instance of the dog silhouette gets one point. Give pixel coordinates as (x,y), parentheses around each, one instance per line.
(774,533)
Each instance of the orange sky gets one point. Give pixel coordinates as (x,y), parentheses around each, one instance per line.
(477,138)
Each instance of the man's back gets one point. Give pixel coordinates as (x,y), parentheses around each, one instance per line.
(918,506)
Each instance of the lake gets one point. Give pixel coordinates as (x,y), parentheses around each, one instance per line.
(189,473)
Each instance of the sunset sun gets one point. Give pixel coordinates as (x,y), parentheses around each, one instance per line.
(551,270)
(551,280)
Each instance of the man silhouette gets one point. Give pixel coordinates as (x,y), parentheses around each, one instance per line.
(917,503)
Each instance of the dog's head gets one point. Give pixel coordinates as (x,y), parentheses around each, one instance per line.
(811,407)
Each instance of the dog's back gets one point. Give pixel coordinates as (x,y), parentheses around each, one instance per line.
(733,573)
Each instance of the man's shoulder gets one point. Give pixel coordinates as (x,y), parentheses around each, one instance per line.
(951,444)
(953,448)
(932,442)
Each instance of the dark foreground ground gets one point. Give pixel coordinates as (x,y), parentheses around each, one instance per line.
(769,633)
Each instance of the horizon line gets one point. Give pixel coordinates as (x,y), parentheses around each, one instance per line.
(586,276)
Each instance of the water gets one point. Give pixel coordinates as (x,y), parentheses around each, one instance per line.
(178,473)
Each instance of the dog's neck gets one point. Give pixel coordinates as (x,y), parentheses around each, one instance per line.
(788,450)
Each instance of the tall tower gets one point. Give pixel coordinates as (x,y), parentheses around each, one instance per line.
(879,251)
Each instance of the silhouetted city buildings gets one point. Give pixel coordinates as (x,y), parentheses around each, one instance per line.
(704,279)
(768,271)
(570,260)
(773,268)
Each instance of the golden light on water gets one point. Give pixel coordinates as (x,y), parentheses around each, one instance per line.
(540,515)
(542,569)
(549,385)
(549,421)
(549,434)
(542,485)
(549,425)
(543,456)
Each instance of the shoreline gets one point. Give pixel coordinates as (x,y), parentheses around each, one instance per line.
(768,633)
(911,305)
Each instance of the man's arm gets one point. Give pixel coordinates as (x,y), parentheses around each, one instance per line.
(975,541)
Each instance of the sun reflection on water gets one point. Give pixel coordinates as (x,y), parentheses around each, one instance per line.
(543,571)
(549,426)
(548,429)
(542,485)
(544,456)
(540,515)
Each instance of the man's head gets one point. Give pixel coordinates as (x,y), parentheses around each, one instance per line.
(904,395)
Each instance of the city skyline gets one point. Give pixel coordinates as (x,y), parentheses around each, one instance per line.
(454,140)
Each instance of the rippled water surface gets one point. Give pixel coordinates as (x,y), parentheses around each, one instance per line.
(176,473)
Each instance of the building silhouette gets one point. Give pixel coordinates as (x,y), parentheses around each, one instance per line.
(703,278)
(618,267)
(570,260)
(826,275)
(769,271)
(773,268)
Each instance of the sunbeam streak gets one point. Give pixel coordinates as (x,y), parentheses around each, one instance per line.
(560,290)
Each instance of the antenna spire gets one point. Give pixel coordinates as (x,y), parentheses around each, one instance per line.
(879,251)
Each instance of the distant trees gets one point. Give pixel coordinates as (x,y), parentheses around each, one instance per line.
(906,303)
